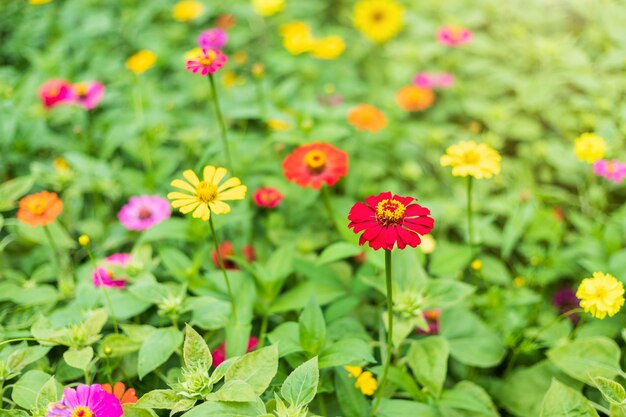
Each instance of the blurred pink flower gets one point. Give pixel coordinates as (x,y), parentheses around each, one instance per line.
(102,277)
(55,92)
(432,319)
(267,197)
(214,38)
(430,80)
(88,94)
(144,211)
(227,250)
(219,354)
(453,35)
(207,61)
(611,170)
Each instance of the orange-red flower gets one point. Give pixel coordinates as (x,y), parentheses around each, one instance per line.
(126,396)
(412,98)
(267,197)
(39,209)
(366,117)
(315,164)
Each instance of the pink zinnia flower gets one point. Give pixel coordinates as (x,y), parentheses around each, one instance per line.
(144,211)
(431,80)
(207,61)
(453,35)
(227,250)
(103,277)
(88,94)
(219,354)
(267,197)
(214,38)
(86,401)
(611,170)
(55,92)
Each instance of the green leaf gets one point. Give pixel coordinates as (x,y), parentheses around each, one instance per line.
(442,293)
(227,409)
(176,263)
(346,352)
(397,408)
(117,345)
(12,190)
(131,410)
(612,391)
(428,359)
(337,251)
(25,356)
(49,393)
(312,327)
(300,387)
(159,399)
(234,390)
(467,399)
(352,402)
(286,337)
(449,260)
(256,368)
(196,353)
(586,358)
(95,321)
(157,349)
(79,359)
(26,389)
(562,401)
(515,226)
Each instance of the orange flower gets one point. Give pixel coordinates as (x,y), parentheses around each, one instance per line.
(121,393)
(366,117)
(39,209)
(315,164)
(412,98)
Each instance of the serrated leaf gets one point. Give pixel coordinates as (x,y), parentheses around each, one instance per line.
(234,390)
(300,387)
(196,353)
(562,401)
(159,399)
(612,391)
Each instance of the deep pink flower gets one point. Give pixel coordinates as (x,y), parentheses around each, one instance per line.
(88,94)
(207,61)
(103,277)
(227,250)
(86,401)
(611,170)
(214,38)
(219,354)
(267,197)
(55,92)
(144,211)
(432,319)
(453,35)
(431,80)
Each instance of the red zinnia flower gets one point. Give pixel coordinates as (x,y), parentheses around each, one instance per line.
(388,219)
(126,396)
(227,250)
(315,164)
(267,197)
(219,354)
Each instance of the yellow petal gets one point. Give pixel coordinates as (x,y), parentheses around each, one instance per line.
(191,177)
(201,212)
(183,202)
(219,175)
(219,207)
(174,195)
(237,193)
(188,208)
(208,172)
(183,186)
(229,183)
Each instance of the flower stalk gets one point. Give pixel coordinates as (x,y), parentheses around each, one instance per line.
(223,268)
(222,124)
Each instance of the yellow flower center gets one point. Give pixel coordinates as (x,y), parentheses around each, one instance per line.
(208,58)
(81,89)
(206,192)
(37,206)
(610,167)
(390,211)
(378,16)
(82,411)
(315,161)
(471,157)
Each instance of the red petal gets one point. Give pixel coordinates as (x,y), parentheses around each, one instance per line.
(411,238)
(421,225)
(416,210)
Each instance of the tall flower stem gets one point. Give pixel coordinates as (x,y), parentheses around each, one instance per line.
(64,286)
(470,218)
(383,381)
(104,289)
(220,120)
(223,268)
(329,206)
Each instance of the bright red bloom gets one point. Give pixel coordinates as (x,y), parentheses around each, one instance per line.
(55,92)
(219,354)
(267,197)
(126,396)
(227,250)
(315,164)
(388,219)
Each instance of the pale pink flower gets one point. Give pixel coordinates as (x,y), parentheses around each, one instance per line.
(144,211)
(214,38)
(453,35)
(611,170)
(88,94)
(430,80)
(207,61)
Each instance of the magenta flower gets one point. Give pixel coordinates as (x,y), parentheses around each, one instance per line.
(207,61)
(219,354)
(453,35)
(86,401)
(88,94)
(144,211)
(214,38)
(103,277)
(611,170)
(430,81)
(56,92)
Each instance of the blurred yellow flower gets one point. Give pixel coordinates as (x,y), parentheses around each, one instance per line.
(141,61)
(240,57)
(258,70)
(83,240)
(519,282)
(231,79)
(38,2)
(365,381)
(428,244)
(601,295)
(329,47)
(467,158)
(186,10)
(589,147)
(60,164)
(193,54)
(378,20)
(268,7)
(477,265)
(297,37)
(278,125)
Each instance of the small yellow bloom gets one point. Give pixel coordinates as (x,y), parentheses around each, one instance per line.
(601,295)
(329,47)
(268,7)
(258,70)
(519,282)
(365,381)
(428,244)
(378,20)
(589,147)
(231,79)
(240,57)
(477,265)
(206,196)
(141,61)
(38,2)
(467,158)
(297,37)
(278,125)
(60,164)
(84,240)
(193,54)
(187,10)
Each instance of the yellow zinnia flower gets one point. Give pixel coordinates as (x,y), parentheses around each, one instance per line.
(378,20)
(268,7)
(589,147)
(141,61)
(365,381)
(184,11)
(329,47)
(206,196)
(601,295)
(297,37)
(468,158)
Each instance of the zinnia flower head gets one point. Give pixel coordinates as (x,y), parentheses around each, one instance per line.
(429,80)
(601,295)
(365,381)
(387,220)
(56,92)
(267,197)
(367,118)
(227,250)
(219,354)
(39,209)
(143,212)
(378,20)
(103,277)
(141,62)
(88,94)
(453,35)
(413,99)
(184,11)
(207,61)
(589,147)
(432,320)
(268,7)
(297,37)
(315,164)
(86,401)
(468,158)
(611,170)
(206,196)
(214,38)
(329,47)
(564,300)
(126,396)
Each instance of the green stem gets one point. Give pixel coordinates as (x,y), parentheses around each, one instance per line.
(104,290)
(599,408)
(329,207)
(470,218)
(263,330)
(383,381)
(64,287)
(322,405)
(260,96)
(138,103)
(33,339)
(223,268)
(222,124)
